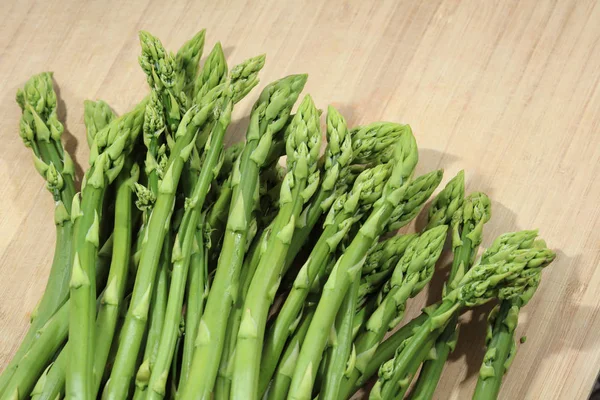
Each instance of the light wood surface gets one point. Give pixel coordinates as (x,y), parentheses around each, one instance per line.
(507,90)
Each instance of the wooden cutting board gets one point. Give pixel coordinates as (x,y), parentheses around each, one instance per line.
(507,90)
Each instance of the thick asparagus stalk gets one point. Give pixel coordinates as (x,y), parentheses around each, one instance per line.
(41,131)
(502,279)
(298,187)
(268,116)
(349,265)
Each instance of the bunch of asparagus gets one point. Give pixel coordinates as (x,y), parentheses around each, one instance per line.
(184,269)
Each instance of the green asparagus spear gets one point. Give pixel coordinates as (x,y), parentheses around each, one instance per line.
(447,202)
(344,213)
(41,131)
(107,157)
(503,320)
(467,226)
(158,223)
(184,242)
(349,265)
(503,279)
(411,274)
(187,60)
(96,115)
(299,185)
(268,116)
(375,143)
(342,352)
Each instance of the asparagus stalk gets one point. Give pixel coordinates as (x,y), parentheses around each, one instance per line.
(197,290)
(184,242)
(268,116)
(338,155)
(344,213)
(503,320)
(158,223)
(503,279)
(342,352)
(107,157)
(375,143)
(349,265)
(41,131)
(411,274)
(298,187)
(467,227)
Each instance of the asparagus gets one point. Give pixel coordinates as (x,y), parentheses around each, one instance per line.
(41,131)
(158,224)
(96,115)
(161,72)
(344,213)
(186,62)
(337,158)
(349,265)
(298,187)
(375,143)
(447,202)
(197,290)
(380,264)
(268,116)
(467,231)
(501,329)
(107,157)
(503,279)
(182,249)
(411,274)
(342,352)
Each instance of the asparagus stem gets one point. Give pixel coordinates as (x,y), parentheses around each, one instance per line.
(299,184)
(196,292)
(348,266)
(467,225)
(412,273)
(41,130)
(283,376)
(344,213)
(268,116)
(338,361)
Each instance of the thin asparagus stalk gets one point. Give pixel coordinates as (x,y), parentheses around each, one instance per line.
(283,376)
(503,320)
(54,377)
(107,157)
(467,226)
(197,291)
(298,187)
(349,265)
(183,247)
(340,359)
(411,274)
(269,115)
(158,223)
(502,279)
(344,213)
(41,131)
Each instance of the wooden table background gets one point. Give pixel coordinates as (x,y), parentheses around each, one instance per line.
(507,90)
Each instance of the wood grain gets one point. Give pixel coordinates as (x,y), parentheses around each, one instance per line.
(507,90)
